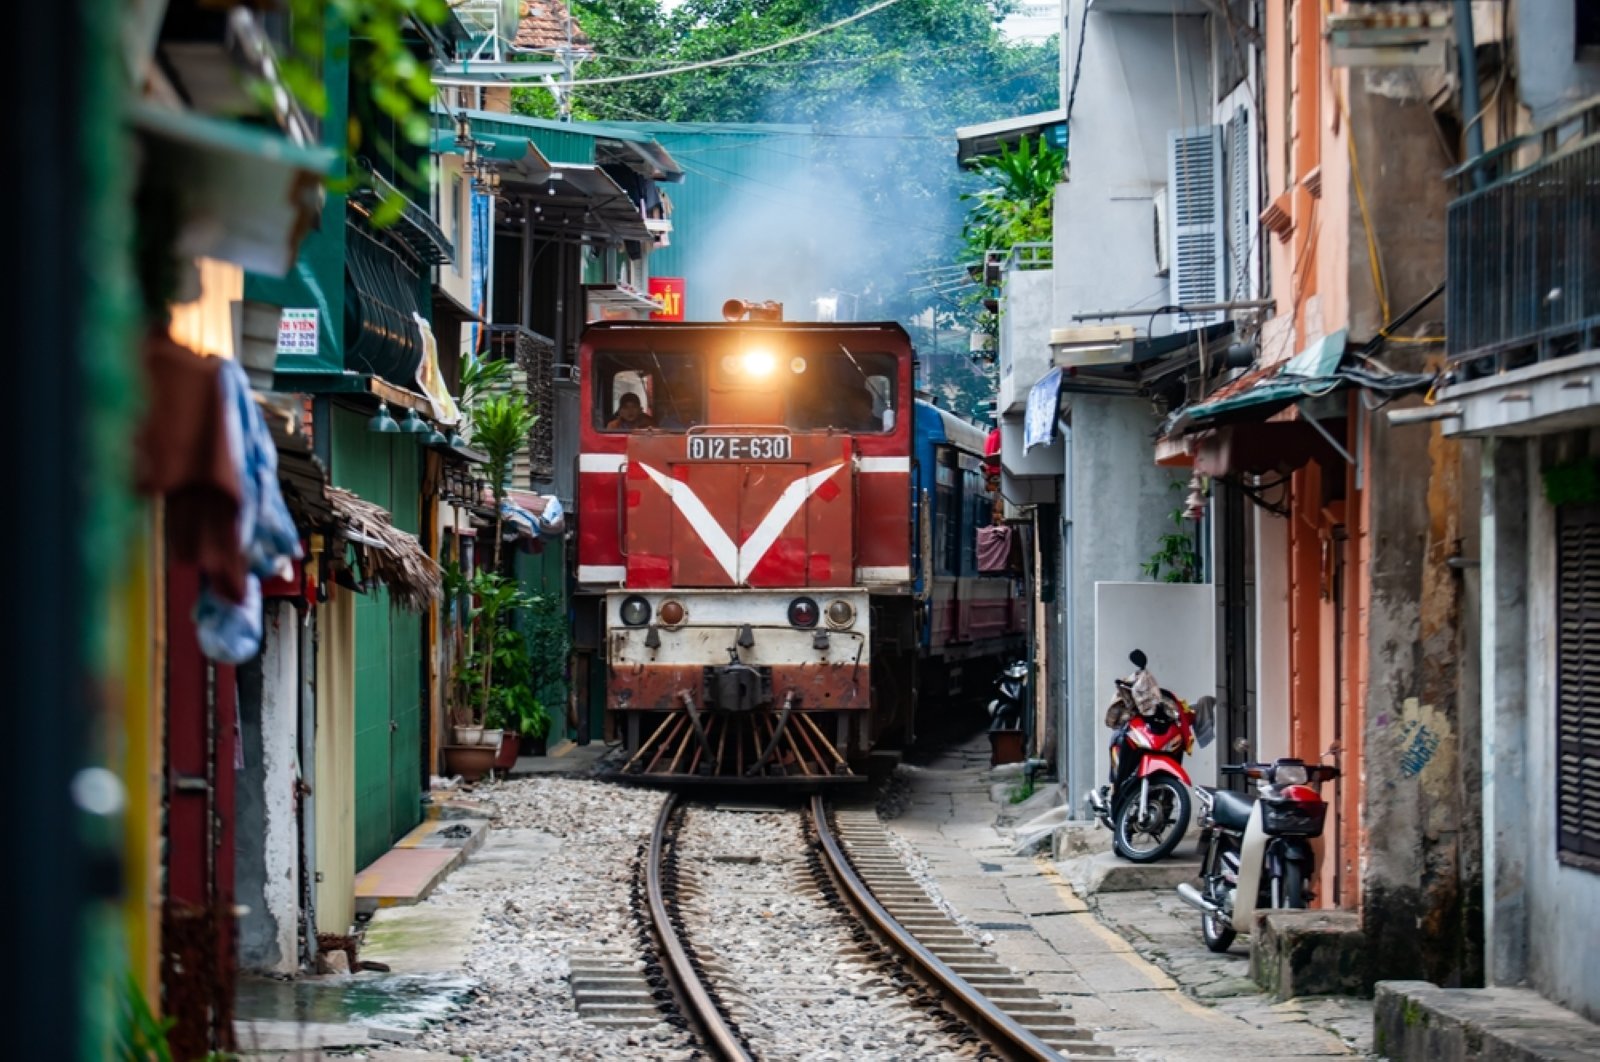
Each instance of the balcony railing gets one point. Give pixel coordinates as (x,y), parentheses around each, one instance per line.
(533,359)
(1524,249)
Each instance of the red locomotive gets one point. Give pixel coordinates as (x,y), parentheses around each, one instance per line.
(758,576)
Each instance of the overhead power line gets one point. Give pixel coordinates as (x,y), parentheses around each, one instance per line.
(725,60)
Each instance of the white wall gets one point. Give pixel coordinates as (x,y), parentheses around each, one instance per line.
(1118,503)
(1272,635)
(280,722)
(1127,100)
(1175,625)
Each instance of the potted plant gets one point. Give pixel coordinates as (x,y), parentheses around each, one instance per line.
(534,730)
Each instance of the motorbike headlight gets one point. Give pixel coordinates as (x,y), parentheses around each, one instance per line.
(1289,774)
(635,611)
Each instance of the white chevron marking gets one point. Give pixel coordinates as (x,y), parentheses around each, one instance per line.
(739,561)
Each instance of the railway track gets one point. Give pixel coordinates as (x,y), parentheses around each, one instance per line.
(914,956)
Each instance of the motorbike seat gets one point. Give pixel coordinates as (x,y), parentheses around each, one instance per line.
(1231,810)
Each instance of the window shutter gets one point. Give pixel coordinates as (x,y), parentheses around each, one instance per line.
(1578,685)
(1194,178)
(1240,205)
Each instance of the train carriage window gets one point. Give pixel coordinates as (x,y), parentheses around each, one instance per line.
(842,390)
(947,511)
(635,391)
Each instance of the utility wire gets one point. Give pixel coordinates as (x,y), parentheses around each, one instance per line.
(727,59)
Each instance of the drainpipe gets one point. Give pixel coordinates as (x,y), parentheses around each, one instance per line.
(1467,50)
(1066,592)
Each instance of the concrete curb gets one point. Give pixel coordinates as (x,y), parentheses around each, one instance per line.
(413,868)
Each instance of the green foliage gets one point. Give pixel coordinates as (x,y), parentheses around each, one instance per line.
(884,92)
(481,377)
(1573,483)
(500,427)
(397,85)
(1176,560)
(1022,790)
(141,1036)
(1015,206)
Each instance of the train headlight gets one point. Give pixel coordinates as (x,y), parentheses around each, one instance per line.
(758,364)
(841,613)
(672,613)
(635,611)
(803,612)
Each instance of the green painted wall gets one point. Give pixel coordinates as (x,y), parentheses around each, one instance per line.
(384,470)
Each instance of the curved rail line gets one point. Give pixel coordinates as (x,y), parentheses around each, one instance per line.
(703,1011)
(1003,1031)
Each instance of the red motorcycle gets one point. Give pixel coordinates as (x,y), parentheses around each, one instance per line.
(1146,802)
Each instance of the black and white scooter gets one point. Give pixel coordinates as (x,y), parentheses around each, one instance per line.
(1257,853)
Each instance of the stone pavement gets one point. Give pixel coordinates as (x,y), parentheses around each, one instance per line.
(1130,964)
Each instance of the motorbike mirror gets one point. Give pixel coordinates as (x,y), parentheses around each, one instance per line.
(1205,721)
(1241,745)
(1139,659)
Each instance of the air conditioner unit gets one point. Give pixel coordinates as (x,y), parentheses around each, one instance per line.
(1159,209)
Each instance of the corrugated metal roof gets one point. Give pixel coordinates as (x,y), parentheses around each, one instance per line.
(576,141)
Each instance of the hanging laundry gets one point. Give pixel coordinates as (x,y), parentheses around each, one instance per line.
(182,452)
(230,631)
(431,379)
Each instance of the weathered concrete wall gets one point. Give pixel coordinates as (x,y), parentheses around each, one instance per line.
(1420,880)
(1538,913)
(1026,316)
(1549,76)
(267,850)
(1419,873)
(1503,675)
(1120,504)
(1561,902)
(1401,165)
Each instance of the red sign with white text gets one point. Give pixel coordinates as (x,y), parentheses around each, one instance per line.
(668,293)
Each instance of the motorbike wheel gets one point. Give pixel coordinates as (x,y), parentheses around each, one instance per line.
(1294,886)
(1216,931)
(1168,820)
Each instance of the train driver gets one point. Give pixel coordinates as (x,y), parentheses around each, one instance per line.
(630,415)
(859,414)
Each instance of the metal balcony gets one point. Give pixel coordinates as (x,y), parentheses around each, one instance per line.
(1524,249)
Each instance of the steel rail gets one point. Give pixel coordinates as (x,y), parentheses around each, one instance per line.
(719,1036)
(1004,1031)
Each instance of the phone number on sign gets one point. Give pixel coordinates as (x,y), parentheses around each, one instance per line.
(738,447)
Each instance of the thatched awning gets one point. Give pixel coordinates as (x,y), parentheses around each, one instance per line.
(388,555)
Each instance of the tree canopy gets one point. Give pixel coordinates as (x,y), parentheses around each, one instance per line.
(885,94)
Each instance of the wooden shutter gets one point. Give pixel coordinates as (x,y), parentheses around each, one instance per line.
(1198,257)
(1578,685)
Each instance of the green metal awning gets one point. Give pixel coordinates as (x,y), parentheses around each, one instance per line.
(574,142)
(1310,373)
(497,147)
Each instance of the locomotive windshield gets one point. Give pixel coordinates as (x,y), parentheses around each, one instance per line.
(649,390)
(835,389)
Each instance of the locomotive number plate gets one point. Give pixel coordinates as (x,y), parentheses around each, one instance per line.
(738,447)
